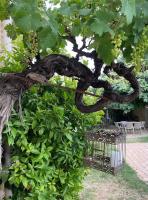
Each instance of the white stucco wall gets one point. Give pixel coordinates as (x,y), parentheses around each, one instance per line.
(5,42)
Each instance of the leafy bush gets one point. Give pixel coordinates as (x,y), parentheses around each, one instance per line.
(15,60)
(48,144)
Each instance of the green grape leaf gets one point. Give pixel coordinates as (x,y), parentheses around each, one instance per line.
(53,24)
(101,23)
(66,10)
(104,48)
(100,27)
(26,15)
(145,9)
(76,29)
(28,22)
(47,38)
(3,9)
(105,15)
(84,11)
(128,9)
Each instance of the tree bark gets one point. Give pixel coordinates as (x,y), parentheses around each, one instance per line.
(12,85)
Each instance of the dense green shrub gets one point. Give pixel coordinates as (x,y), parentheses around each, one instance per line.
(47,142)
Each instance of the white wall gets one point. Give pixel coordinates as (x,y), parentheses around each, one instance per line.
(5,42)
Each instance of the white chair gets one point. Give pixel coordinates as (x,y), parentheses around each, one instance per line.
(143,125)
(117,125)
(120,125)
(138,126)
(123,125)
(129,126)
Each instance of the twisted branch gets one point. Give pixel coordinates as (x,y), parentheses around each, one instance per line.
(14,84)
(44,69)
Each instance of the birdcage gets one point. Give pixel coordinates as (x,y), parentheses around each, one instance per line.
(105,150)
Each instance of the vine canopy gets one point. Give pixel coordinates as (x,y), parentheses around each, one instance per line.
(107,30)
(112,27)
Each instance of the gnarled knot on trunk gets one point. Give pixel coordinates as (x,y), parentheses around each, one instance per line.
(38,78)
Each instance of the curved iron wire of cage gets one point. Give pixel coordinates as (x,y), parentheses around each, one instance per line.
(105,150)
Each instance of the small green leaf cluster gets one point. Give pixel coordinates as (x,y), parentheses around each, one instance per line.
(15,60)
(32,44)
(48,144)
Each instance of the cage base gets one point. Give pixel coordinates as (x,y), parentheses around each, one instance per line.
(104,167)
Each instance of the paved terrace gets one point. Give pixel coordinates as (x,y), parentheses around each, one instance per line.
(137,156)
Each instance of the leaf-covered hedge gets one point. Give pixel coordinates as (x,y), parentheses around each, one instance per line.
(48,144)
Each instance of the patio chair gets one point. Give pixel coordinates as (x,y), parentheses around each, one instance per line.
(129,126)
(123,125)
(138,126)
(143,125)
(117,125)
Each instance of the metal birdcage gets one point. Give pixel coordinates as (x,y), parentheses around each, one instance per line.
(106,150)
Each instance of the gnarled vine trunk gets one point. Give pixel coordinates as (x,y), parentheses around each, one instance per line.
(6,104)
